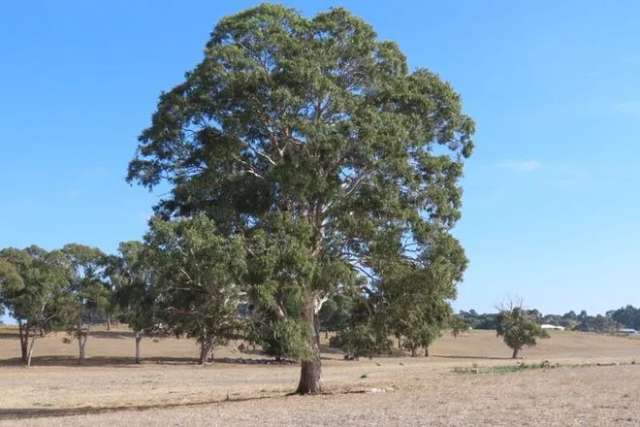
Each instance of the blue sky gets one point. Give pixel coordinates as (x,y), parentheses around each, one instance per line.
(551,205)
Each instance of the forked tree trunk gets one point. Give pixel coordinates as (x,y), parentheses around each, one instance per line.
(30,351)
(138,339)
(515,353)
(23,331)
(311,367)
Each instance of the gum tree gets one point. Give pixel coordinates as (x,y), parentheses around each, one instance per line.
(88,290)
(316,129)
(417,293)
(32,286)
(135,291)
(518,328)
(198,274)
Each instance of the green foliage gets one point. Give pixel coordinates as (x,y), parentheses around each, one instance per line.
(87,288)
(136,291)
(198,274)
(518,329)
(628,316)
(284,338)
(417,293)
(366,333)
(32,286)
(336,312)
(360,340)
(10,282)
(479,321)
(458,325)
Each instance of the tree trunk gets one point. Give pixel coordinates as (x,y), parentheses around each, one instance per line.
(414,352)
(30,351)
(515,353)
(82,341)
(311,367)
(23,331)
(108,319)
(206,349)
(138,339)
(426,352)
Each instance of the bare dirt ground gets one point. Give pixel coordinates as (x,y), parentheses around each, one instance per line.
(169,389)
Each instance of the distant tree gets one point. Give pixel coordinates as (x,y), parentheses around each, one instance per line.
(336,312)
(280,338)
(583,316)
(417,293)
(518,328)
(32,286)
(487,321)
(136,292)
(359,340)
(368,328)
(598,323)
(315,127)
(628,316)
(89,291)
(457,324)
(198,274)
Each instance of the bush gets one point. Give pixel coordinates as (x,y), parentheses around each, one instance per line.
(358,341)
(285,338)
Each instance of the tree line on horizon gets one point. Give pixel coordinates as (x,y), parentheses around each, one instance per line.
(613,320)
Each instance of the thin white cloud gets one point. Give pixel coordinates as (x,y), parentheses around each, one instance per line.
(631,108)
(521,165)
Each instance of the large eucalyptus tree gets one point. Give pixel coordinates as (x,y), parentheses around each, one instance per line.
(318,136)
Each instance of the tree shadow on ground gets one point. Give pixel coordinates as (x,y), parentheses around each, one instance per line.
(9,335)
(25,413)
(95,334)
(129,362)
(325,348)
(97,361)
(457,356)
(112,334)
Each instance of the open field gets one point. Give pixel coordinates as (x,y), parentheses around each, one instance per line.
(168,388)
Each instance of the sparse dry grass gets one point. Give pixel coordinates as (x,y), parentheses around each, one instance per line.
(175,391)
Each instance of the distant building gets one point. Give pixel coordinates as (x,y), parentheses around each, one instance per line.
(553,327)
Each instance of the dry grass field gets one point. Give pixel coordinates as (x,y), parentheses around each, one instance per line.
(597,383)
